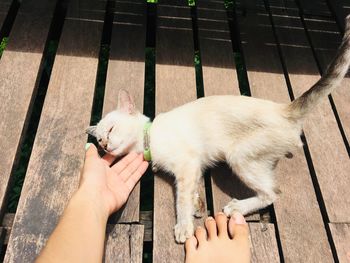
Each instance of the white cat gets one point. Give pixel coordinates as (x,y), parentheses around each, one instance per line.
(250,134)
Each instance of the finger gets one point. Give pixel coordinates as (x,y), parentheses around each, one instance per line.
(123,163)
(131,168)
(135,177)
(238,228)
(108,159)
(90,153)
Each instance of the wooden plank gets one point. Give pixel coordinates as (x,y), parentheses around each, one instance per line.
(126,69)
(58,150)
(175,85)
(341,238)
(219,73)
(317,8)
(124,243)
(18,84)
(341,9)
(329,155)
(219,78)
(297,213)
(4,7)
(326,39)
(263,243)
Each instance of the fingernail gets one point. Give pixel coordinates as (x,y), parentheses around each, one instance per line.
(238,218)
(209,218)
(87,146)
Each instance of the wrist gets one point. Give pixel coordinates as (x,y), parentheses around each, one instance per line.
(91,202)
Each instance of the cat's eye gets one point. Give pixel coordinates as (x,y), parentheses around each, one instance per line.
(99,140)
(109,131)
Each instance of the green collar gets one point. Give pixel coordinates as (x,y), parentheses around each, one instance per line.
(146,141)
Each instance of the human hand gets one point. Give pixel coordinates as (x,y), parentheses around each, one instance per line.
(109,186)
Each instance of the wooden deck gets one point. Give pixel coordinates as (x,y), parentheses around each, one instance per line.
(65,62)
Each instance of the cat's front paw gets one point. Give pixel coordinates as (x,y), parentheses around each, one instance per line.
(234,205)
(183,231)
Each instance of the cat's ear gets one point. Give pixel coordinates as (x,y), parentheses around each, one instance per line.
(91,130)
(126,102)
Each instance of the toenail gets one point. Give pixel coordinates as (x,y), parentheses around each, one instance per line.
(238,218)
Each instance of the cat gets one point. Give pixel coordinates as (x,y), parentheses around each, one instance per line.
(250,134)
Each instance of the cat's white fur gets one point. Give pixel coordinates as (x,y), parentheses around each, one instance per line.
(250,134)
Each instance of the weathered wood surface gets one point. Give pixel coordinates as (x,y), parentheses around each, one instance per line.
(329,156)
(341,237)
(58,150)
(175,85)
(4,7)
(219,73)
(18,84)
(219,78)
(126,70)
(325,37)
(297,213)
(316,8)
(124,243)
(341,9)
(263,243)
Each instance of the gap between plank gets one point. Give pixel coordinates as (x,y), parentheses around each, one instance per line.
(200,94)
(336,115)
(7,25)
(147,181)
(308,158)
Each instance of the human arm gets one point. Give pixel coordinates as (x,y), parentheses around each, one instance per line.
(80,233)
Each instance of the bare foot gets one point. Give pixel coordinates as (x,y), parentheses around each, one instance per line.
(221,243)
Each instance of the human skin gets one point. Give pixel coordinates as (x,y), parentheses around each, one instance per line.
(104,188)
(223,240)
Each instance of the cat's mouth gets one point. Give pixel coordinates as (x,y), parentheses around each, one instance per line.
(110,150)
(113,151)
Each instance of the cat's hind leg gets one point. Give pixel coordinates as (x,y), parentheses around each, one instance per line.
(259,176)
(199,205)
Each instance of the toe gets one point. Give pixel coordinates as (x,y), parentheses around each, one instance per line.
(200,235)
(221,222)
(238,228)
(191,244)
(210,225)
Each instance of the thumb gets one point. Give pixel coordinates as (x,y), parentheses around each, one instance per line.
(90,154)
(238,227)
(91,151)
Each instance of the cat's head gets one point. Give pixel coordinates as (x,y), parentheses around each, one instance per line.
(121,130)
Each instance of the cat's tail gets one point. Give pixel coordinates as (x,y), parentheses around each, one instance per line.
(330,80)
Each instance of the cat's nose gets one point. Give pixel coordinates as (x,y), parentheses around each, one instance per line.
(109,149)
